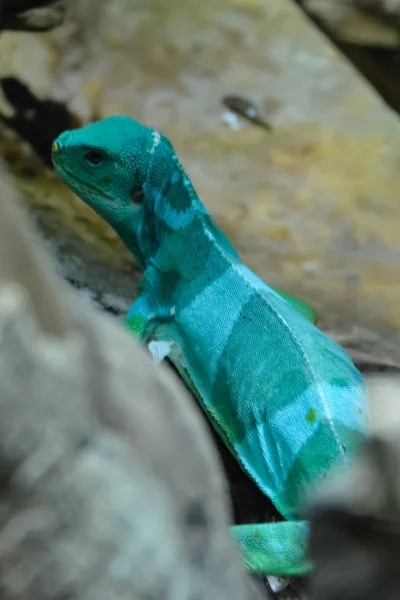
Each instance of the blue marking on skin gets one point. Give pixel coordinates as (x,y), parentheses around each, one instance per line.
(261,461)
(176,219)
(208,326)
(200,207)
(270,449)
(175,177)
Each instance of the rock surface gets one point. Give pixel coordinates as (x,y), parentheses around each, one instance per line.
(367,22)
(312,206)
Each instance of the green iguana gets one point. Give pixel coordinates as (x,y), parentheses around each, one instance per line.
(285,398)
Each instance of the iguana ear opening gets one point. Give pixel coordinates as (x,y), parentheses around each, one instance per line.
(136,194)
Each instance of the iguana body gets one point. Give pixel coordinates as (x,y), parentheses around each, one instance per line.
(285,398)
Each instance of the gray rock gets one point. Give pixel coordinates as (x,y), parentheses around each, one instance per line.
(355,535)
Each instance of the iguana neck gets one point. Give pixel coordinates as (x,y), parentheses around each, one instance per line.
(127,231)
(178,213)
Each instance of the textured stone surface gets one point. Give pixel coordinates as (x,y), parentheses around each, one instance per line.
(312,206)
(365,22)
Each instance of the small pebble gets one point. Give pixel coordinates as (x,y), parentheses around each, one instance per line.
(277,584)
(246,109)
(312,266)
(231,119)
(159,350)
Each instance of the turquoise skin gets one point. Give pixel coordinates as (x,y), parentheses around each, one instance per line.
(286,400)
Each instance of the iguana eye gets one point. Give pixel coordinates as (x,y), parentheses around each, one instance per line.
(136,194)
(94,157)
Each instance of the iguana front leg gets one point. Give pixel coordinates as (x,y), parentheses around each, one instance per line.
(141,318)
(274,548)
(146,313)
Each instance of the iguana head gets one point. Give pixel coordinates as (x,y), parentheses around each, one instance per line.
(130,175)
(108,163)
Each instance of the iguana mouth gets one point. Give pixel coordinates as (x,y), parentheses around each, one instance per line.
(92,188)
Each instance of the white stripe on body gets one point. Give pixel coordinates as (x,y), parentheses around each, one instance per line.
(221,292)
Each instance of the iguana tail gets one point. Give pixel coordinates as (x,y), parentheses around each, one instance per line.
(274,548)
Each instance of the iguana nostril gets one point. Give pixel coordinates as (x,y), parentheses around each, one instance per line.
(55,147)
